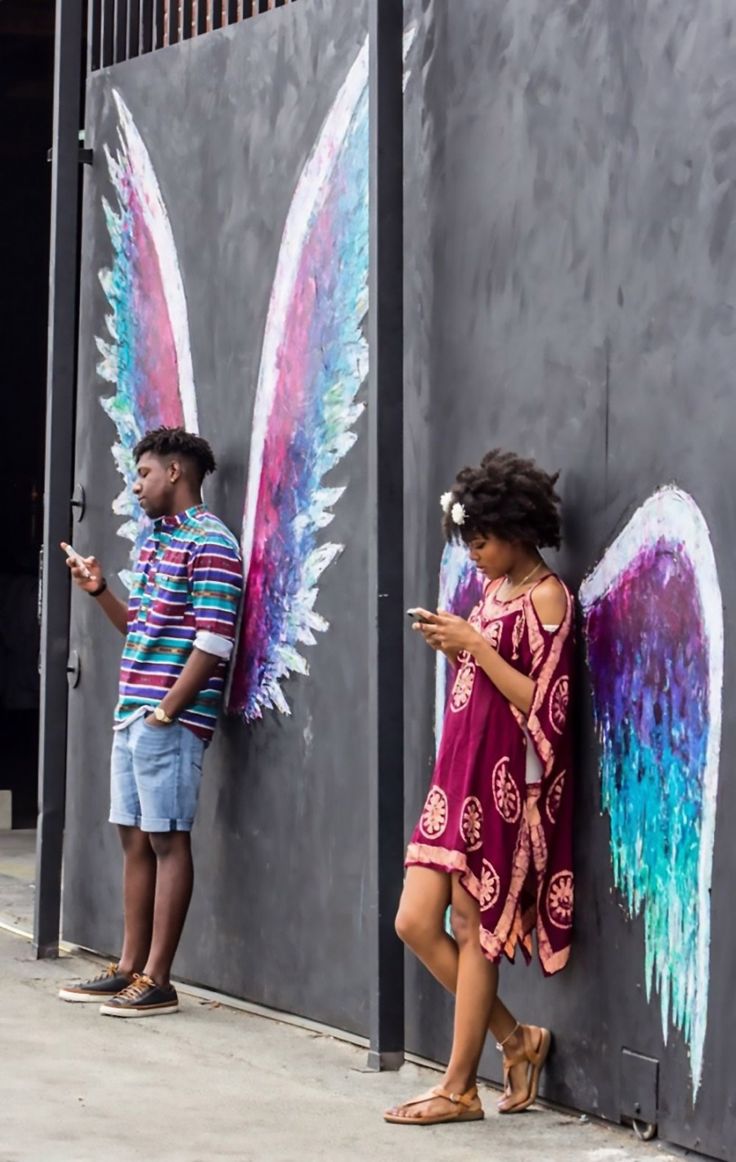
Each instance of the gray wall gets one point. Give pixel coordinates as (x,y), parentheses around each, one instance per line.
(569,293)
(280,842)
(570,289)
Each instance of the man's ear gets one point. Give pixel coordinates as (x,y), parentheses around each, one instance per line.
(174,471)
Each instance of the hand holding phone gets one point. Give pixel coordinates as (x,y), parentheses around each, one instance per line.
(77,558)
(420,615)
(86,571)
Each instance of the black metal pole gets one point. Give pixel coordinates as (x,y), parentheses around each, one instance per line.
(385,422)
(60,390)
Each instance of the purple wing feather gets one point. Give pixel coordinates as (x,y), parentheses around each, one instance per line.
(313,365)
(654,633)
(146,354)
(461,588)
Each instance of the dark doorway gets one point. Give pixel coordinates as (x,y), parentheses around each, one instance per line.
(26,97)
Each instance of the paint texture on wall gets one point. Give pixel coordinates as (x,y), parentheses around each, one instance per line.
(461,588)
(146,353)
(654,631)
(313,365)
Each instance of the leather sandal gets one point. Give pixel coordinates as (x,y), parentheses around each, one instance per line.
(533,1053)
(465,1107)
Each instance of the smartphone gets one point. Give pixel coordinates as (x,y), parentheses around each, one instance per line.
(70,552)
(417,615)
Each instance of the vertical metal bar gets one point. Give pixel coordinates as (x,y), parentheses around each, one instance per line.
(120,19)
(186,19)
(60,385)
(386,535)
(145,25)
(172,22)
(133,31)
(158,23)
(231,11)
(94,20)
(107,33)
(217,14)
(201,17)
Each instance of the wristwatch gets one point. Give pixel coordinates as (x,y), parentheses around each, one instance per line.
(161,716)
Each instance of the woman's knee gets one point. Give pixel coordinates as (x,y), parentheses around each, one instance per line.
(412,927)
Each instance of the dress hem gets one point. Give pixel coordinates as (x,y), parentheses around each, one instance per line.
(494,947)
(442,859)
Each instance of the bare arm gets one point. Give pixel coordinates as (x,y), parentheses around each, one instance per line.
(89,577)
(516,687)
(198,670)
(447,632)
(116,610)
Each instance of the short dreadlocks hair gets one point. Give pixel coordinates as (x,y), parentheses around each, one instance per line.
(508,497)
(163,442)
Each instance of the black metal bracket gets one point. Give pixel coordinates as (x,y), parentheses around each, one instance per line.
(78,502)
(73,669)
(86,156)
(640,1093)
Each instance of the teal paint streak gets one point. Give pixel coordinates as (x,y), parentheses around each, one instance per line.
(648,656)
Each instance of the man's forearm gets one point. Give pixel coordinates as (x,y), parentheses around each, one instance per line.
(116,610)
(197,672)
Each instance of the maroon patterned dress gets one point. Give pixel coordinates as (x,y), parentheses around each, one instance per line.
(511,841)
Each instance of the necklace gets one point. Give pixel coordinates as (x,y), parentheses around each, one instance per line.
(518,585)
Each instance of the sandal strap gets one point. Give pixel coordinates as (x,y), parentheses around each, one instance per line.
(464,1099)
(417,1101)
(526,1052)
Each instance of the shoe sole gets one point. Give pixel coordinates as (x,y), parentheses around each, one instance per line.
(80,998)
(149,1011)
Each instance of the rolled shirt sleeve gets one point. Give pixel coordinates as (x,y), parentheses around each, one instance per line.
(217,584)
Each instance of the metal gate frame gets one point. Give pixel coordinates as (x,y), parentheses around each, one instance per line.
(117,31)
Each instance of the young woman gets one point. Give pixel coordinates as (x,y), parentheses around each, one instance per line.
(494,839)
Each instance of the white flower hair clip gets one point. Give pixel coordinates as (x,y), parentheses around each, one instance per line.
(458,514)
(446,502)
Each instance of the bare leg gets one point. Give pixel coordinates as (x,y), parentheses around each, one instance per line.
(174,882)
(477,983)
(420,924)
(139,886)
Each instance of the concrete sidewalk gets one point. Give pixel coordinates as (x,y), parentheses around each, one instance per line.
(17,873)
(212,1082)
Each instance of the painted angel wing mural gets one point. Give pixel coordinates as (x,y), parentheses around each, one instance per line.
(461,588)
(147,354)
(313,365)
(654,631)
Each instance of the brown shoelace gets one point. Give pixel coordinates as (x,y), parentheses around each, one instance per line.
(111,970)
(135,990)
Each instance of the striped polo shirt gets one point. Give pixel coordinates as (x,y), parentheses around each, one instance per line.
(185,593)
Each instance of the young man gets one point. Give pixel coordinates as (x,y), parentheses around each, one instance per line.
(179,626)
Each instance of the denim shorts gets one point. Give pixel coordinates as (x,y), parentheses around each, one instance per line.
(155,772)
